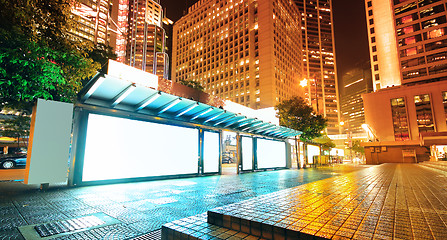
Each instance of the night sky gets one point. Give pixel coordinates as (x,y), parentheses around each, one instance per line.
(351,38)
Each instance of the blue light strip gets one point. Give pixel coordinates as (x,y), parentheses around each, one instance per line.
(215,116)
(203,112)
(148,101)
(191,107)
(123,94)
(225,119)
(170,105)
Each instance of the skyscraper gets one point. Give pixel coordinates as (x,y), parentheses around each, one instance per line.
(408,41)
(93,21)
(355,83)
(143,39)
(249,52)
(319,59)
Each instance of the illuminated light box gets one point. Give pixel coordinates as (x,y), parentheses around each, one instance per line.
(311,152)
(271,154)
(131,74)
(247,153)
(211,152)
(118,148)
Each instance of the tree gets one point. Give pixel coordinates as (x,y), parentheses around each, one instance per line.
(357,148)
(296,114)
(17,127)
(38,56)
(191,84)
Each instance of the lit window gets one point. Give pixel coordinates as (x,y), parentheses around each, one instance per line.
(407,19)
(408,29)
(410,40)
(436,33)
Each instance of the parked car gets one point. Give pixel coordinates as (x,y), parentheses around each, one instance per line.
(13,161)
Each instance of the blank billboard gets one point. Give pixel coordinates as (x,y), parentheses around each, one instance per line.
(118,148)
(271,154)
(211,152)
(247,153)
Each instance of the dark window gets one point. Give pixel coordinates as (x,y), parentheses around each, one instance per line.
(370,12)
(369,4)
(371,21)
(375,58)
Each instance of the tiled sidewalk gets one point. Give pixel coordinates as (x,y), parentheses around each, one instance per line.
(141,207)
(390,201)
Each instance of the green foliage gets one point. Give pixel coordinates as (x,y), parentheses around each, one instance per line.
(356,147)
(325,141)
(191,84)
(38,56)
(17,127)
(296,114)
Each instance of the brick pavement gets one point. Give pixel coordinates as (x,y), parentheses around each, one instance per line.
(390,201)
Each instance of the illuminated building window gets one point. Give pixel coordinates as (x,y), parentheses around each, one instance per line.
(444,101)
(399,115)
(436,33)
(424,116)
(407,19)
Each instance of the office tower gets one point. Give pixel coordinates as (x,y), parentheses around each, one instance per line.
(319,59)
(142,44)
(408,41)
(246,51)
(355,83)
(407,111)
(94,21)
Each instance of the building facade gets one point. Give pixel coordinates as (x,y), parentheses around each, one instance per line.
(249,52)
(408,41)
(408,46)
(143,39)
(319,59)
(94,21)
(355,83)
(406,119)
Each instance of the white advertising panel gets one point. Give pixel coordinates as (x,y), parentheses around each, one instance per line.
(247,153)
(211,152)
(49,143)
(118,148)
(271,154)
(311,152)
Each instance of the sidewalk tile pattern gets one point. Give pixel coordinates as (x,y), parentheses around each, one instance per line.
(141,207)
(390,201)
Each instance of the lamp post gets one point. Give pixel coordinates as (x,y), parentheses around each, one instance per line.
(349,137)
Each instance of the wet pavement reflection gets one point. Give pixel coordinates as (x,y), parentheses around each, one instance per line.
(143,207)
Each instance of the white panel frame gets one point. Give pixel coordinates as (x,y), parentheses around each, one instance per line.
(48,151)
(211,152)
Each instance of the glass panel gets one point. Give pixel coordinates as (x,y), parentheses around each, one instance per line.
(424,115)
(270,154)
(118,148)
(211,152)
(399,115)
(247,153)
